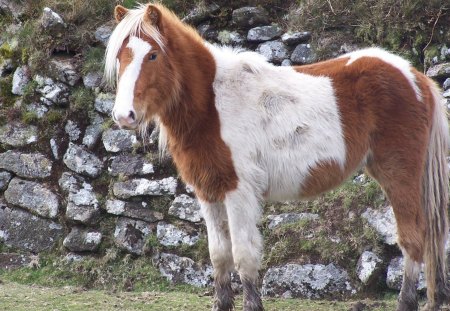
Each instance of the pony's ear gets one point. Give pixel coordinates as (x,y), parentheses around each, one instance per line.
(153,15)
(120,12)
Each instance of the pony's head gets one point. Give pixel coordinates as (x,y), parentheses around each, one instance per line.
(137,62)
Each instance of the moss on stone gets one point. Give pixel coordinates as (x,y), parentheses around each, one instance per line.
(82,99)
(93,60)
(6,51)
(29,117)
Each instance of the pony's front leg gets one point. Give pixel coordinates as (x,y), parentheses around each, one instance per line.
(219,244)
(244,212)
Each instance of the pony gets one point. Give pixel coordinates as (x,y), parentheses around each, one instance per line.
(242,131)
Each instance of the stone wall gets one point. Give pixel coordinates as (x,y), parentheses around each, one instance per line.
(73,184)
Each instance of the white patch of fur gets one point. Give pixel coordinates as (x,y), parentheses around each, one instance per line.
(219,242)
(279,124)
(244,212)
(125,90)
(394,60)
(131,25)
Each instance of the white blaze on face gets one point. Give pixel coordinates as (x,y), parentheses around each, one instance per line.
(127,82)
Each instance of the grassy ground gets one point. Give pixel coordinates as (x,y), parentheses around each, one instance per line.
(18,297)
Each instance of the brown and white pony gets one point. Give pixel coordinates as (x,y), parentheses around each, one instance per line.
(242,131)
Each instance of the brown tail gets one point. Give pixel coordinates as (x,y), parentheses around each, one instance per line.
(435,202)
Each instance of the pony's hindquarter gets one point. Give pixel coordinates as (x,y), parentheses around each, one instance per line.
(413,172)
(435,203)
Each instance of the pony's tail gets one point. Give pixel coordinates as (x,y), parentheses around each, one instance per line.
(434,201)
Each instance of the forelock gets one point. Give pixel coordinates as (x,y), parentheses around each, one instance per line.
(132,24)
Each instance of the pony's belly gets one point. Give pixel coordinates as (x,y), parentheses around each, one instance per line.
(295,183)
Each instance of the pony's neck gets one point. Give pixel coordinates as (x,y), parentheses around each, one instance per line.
(194,72)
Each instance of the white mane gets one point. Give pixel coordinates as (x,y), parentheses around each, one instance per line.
(131,25)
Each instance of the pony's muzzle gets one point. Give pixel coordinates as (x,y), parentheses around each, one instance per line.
(125,119)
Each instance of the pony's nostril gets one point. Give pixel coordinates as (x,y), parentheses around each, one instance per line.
(132,116)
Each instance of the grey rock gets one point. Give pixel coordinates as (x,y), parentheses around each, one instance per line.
(82,205)
(15,8)
(303,54)
(104,103)
(446,94)
(170,235)
(51,19)
(446,84)
(33,197)
(286,62)
(55,148)
(64,70)
(445,53)
(73,257)
(5,178)
(18,135)
(119,140)
(306,281)
(72,130)
(186,208)
(184,270)
(82,240)
(264,33)
(142,186)
(37,108)
(92,80)
(82,202)
(127,165)
(27,165)
(93,131)
(130,235)
(208,32)
(230,38)
(103,33)
(439,71)
(383,221)
(273,51)
(347,48)
(189,189)
(289,218)
(361,179)
(70,182)
(296,37)
(52,93)
(20,80)
(135,210)
(369,267)
(200,14)
(12,233)
(82,161)
(248,17)
(394,276)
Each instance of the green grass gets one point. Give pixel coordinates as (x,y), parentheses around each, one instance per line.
(19,297)
(93,60)
(82,99)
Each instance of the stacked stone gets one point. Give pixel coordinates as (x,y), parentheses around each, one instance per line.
(64,188)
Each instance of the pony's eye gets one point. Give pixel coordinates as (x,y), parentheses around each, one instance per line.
(152,56)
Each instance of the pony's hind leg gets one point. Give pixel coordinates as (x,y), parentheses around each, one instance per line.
(219,244)
(403,189)
(408,295)
(244,213)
